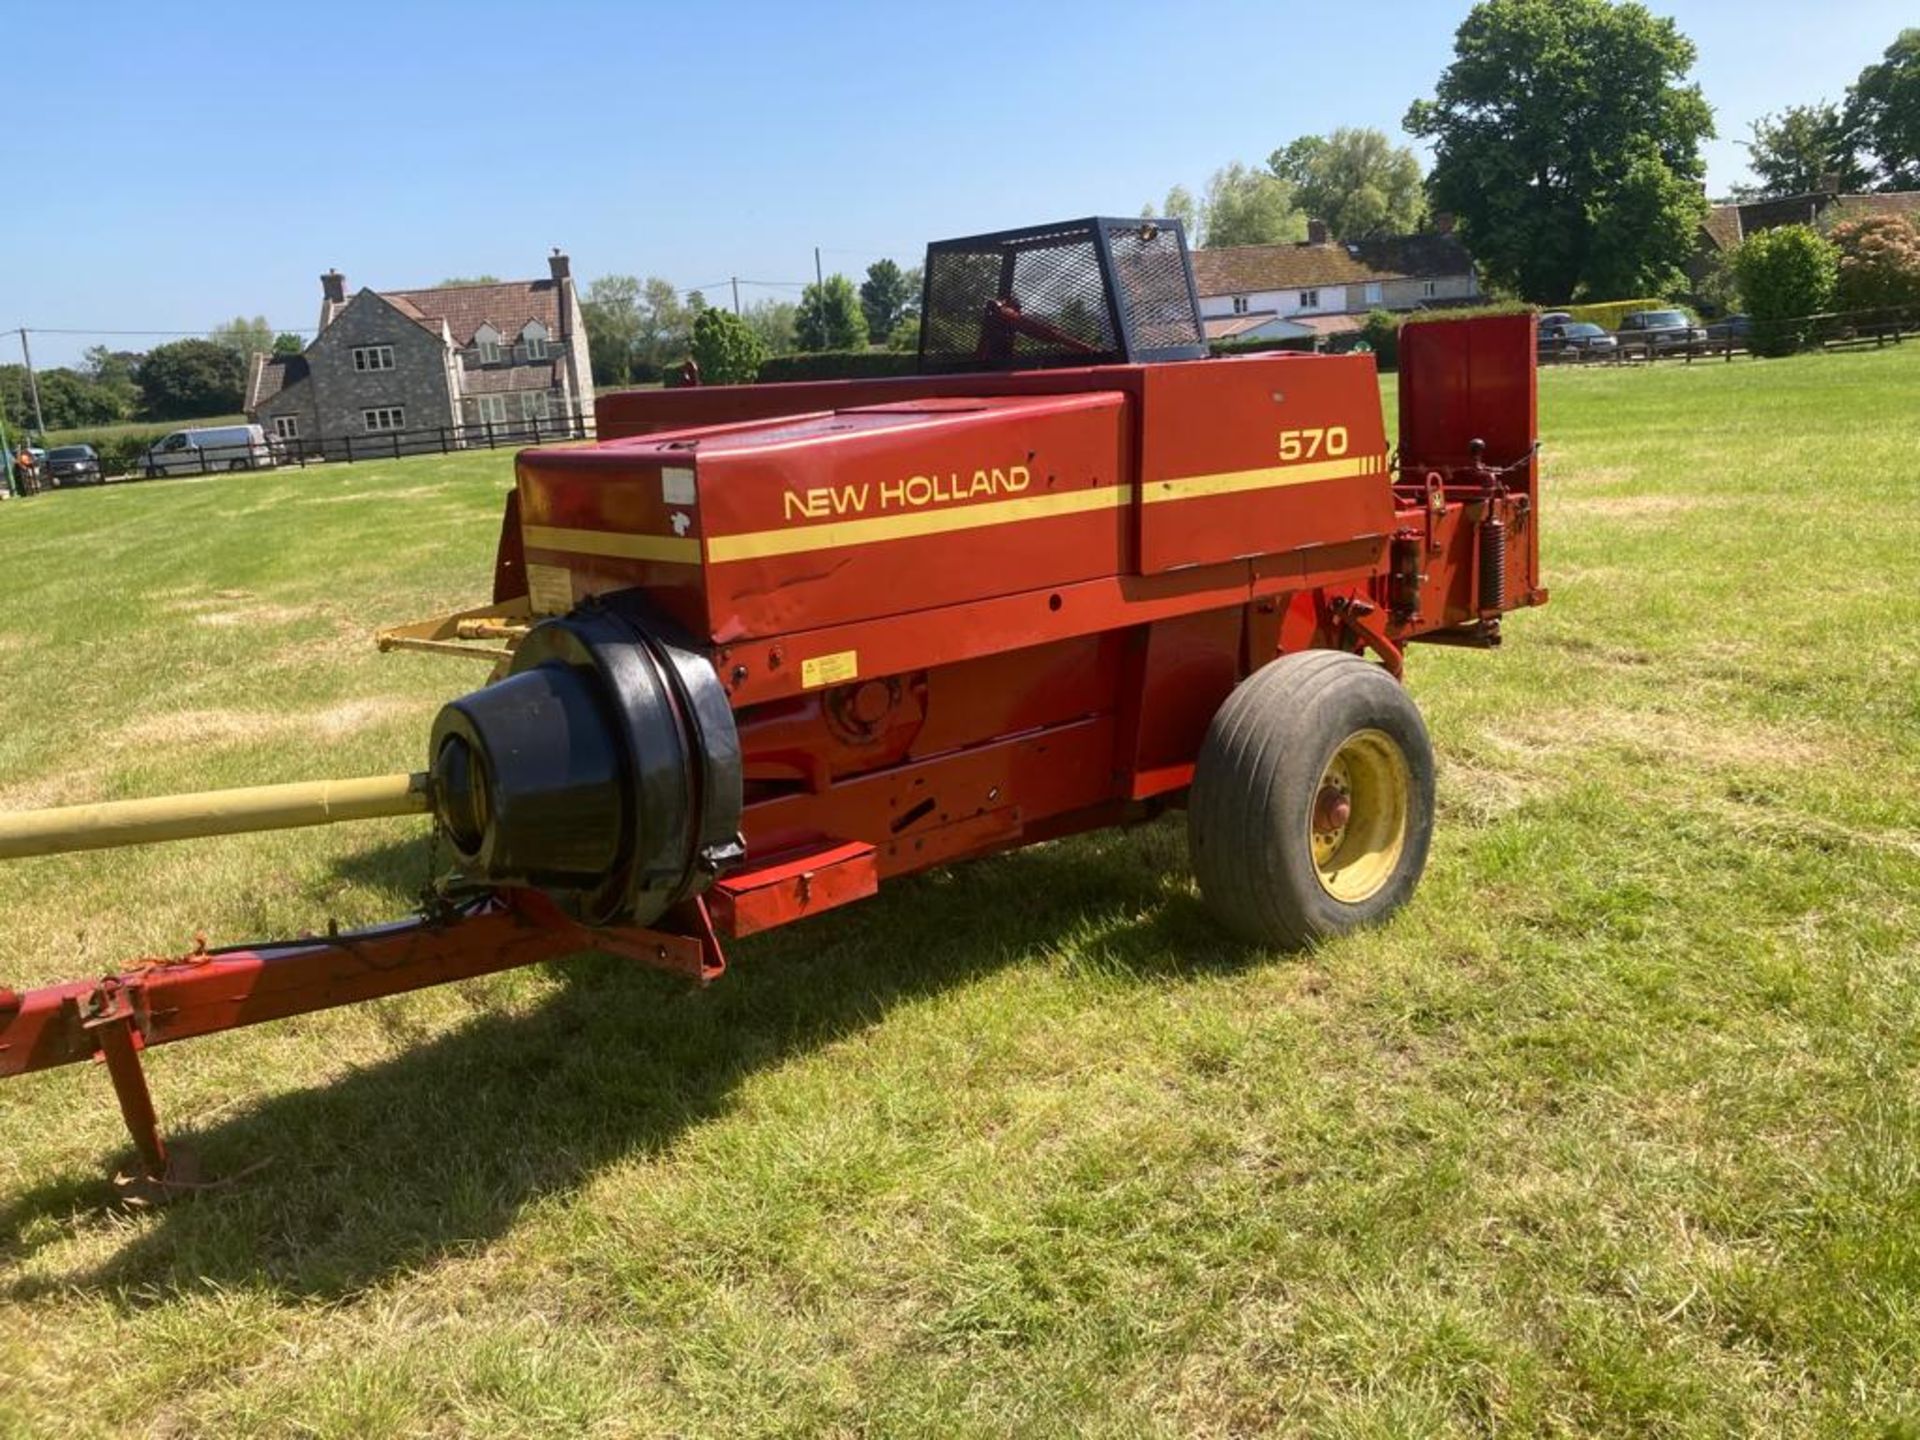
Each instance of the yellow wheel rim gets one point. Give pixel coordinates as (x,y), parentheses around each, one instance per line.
(1357,821)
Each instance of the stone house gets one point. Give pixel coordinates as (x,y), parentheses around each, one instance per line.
(1321,287)
(466,361)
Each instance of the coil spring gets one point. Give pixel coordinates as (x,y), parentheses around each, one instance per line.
(1493,563)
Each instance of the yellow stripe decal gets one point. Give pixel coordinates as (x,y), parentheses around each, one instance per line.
(1193,487)
(759,544)
(620,545)
(796,539)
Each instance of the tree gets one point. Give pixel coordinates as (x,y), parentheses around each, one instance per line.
(1784,274)
(467,280)
(830,317)
(1250,207)
(191,379)
(611,313)
(1799,150)
(666,325)
(1356,180)
(726,349)
(1177,206)
(1883,113)
(1555,123)
(886,295)
(1879,262)
(243,336)
(772,321)
(287,343)
(69,399)
(112,373)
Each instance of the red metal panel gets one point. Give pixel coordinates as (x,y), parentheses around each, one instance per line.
(1464,380)
(792,888)
(1259,457)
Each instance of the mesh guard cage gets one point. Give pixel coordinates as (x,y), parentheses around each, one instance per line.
(1082,292)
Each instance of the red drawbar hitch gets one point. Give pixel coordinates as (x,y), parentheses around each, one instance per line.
(117,1017)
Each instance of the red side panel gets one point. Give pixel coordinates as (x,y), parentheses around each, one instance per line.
(1260,457)
(1462,380)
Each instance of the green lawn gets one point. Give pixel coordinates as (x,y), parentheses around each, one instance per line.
(1615,1131)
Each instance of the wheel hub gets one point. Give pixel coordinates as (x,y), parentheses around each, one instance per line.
(1357,826)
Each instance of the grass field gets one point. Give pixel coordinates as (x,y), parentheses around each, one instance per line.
(1615,1131)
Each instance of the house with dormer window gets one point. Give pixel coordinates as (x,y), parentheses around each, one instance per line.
(470,360)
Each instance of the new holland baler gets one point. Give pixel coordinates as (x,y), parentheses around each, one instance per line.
(768,647)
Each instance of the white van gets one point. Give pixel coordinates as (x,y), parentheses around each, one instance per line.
(208,447)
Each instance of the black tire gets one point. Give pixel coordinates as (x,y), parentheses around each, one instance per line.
(1252,817)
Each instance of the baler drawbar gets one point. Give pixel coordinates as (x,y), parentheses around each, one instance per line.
(767,647)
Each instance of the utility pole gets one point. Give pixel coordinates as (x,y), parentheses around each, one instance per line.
(6,458)
(33,385)
(817,280)
(736,295)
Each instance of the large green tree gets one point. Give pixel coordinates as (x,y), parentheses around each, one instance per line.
(191,380)
(245,337)
(886,296)
(1245,206)
(1883,113)
(830,317)
(772,321)
(1356,179)
(726,349)
(1567,141)
(1799,150)
(1785,275)
(611,311)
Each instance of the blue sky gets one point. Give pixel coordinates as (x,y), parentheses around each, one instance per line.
(175,165)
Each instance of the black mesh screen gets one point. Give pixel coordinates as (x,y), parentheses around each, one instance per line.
(1083,292)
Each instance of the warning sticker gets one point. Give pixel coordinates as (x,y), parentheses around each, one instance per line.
(830,669)
(550,589)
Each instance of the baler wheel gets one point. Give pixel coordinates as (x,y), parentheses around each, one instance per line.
(1312,800)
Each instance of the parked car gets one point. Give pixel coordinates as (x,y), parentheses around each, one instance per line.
(208,447)
(1656,330)
(1577,338)
(70,465)
(1554,320)
(1734,329)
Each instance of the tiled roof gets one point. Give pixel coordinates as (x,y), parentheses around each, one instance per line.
(1727,225)
(275,373)
(1225,327)
(1723,226)
(1244,269)
(507,306)
(510,378)
(1331,324)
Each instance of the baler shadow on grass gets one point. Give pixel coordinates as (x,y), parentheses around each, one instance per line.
(440,1148)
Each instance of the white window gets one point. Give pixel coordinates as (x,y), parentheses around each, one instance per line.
(286,427)
(385,417)
(1429,289)
(1309,299)
(489,352)
(1375,294)
(535,336)
(533,405)
(373,357)
(490,409)
(1239,304)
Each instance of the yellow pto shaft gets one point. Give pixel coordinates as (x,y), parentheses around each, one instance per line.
(210,812)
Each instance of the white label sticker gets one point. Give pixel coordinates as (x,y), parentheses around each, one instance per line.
(549,589)
(676,486)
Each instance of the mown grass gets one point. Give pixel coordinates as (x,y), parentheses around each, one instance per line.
(1615,1131)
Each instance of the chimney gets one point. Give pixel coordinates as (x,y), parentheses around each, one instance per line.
(333,285)
(1443,222)
(1316,232)
(559,264)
